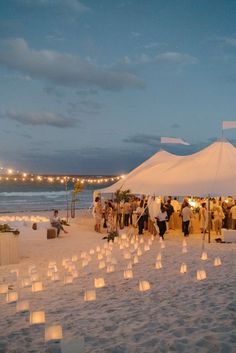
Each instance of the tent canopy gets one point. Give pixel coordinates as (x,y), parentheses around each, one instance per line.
(209,172)
(157,159)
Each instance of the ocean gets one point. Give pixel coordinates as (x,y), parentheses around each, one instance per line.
(29,197)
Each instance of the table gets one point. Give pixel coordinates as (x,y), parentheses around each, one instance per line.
(9,249)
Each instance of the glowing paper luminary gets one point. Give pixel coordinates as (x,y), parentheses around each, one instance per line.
(50,272)
(53,333)
(141,241)
(91,251)
(144,286)
(37,317)
(139,252)
(146,247)
(89,295)
(52,264)
(75,274)
(128,274)
(204,256)
(135,260)
(101,265)
(123,236)
(217,261)
(99,282)
(158,258)
(201,275)
(26,282)
(100,256)
(74,258)
(84,263)
(183,268)
(158,265)
(98,249)
(129,266)
(12,297)
(110,268)
(3,288)
(68,279)
(22,306)
(65,261)
(55,277)
(37,286)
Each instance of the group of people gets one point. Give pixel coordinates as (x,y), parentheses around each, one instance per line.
(136,211)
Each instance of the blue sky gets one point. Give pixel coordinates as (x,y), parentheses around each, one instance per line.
(89,87)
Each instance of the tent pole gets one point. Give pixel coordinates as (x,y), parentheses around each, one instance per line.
(209,220)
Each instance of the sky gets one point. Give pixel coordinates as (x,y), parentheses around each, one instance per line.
(90,86)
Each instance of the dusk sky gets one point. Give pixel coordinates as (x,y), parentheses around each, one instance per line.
(89,87)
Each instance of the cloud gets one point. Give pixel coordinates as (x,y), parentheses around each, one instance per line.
(63,69)
(143,139)
(49,119)
(152,142)
(176,58)
(227,41)
(166,58)
(73,5)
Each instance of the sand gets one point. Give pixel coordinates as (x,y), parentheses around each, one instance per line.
(178,313)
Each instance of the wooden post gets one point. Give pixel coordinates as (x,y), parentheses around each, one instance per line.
(209,220)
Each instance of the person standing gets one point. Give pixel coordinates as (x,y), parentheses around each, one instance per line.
(98,214)
(170,210)
(141,217)
(203,218)
(218,217)
(186,214)
(127,210)
(161,221)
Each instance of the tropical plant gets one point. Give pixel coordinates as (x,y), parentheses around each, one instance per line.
(78,187)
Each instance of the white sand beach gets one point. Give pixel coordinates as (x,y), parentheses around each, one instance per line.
(178,314)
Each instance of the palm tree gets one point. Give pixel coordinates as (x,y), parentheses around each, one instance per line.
(78,187)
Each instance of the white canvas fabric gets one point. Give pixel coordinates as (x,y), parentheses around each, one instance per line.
(156,160)
(210,172)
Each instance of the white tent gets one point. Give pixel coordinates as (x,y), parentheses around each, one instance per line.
(161,157)
(210,172)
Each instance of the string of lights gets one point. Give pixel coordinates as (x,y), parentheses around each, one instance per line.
(7,175)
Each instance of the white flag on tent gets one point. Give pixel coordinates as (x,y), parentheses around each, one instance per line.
(174,141)
(229,125)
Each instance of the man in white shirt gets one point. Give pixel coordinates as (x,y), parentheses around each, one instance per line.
(186,214)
